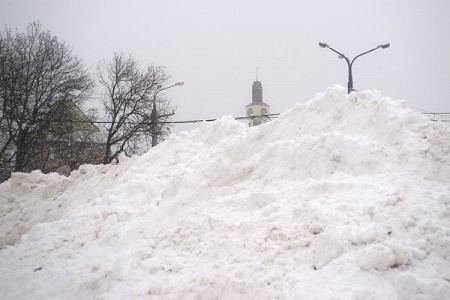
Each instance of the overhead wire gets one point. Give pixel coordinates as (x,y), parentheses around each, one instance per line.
(269,116)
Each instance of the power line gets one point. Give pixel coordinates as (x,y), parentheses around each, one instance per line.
(270,116)
(432,113)
(274,115)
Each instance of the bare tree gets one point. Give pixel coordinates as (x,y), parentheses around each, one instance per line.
(129,95)
(37,71)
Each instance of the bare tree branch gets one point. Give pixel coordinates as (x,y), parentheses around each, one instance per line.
(128,95)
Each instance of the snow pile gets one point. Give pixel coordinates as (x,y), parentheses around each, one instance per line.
(344,197)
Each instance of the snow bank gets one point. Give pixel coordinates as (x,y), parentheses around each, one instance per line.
(343,197)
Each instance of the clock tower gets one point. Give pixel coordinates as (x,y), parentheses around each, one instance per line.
(257,112)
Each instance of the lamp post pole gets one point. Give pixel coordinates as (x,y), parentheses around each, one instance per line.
(350,63)
(154,114)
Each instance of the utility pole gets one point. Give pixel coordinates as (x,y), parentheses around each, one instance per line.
(154,115)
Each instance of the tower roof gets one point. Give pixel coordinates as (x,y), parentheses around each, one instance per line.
(257,96)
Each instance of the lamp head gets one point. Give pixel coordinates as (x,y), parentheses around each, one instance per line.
(384,46)
(180,83)
(324,45)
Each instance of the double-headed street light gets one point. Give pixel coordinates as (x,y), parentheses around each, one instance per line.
(154,114)
(350,63)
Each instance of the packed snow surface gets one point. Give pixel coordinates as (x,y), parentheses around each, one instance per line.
(343,197)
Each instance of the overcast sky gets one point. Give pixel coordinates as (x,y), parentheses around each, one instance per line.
(215,46)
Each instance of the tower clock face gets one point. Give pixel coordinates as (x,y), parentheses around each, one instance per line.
(263,111)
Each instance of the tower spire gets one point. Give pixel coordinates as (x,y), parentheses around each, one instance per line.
(257,90)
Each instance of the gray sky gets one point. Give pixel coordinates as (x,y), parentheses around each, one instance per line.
(215,46)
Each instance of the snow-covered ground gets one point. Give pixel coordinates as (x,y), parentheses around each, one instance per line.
(343,197)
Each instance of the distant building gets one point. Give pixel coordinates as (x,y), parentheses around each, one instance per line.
(71,140)
(257,111)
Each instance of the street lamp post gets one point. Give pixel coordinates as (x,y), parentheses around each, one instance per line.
(350,63)
(154,114)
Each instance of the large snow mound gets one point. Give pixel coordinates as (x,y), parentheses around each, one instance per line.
(343,197)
